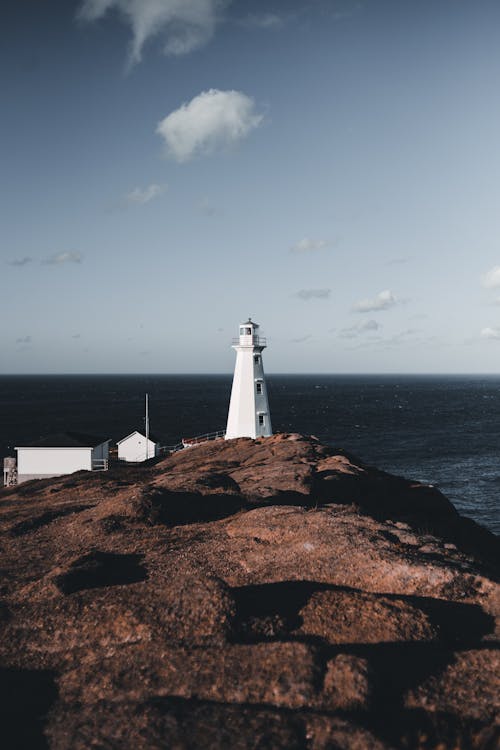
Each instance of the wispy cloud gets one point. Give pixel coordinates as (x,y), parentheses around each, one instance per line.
(301,339)
(300,13)
(262,21)
(410,337)
(212,120)
(491,279)
(59,259)
(207,207)
(490,333)
(307,294)
(403,337)
(182,25)
(24,340)
(368,326)
(382,301)
(141,196)
(339,14)
(308,245)
(20,261)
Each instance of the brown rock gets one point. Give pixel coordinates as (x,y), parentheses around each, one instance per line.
(278,674)
(347,685)
(355,617)
(271,593)
(470,685)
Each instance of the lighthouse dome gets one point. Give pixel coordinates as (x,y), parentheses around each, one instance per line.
(248,328)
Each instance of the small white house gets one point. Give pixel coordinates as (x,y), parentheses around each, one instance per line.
(136,448)
(60,454)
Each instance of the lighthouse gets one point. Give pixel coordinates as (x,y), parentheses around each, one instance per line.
(249,414)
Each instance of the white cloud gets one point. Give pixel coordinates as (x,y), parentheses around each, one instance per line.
(307,294)
(382,301)
(491,279)
(213,119)
(183,25)
(367,326)
(490,333)
(307,245)
(20,261)
(301,339)
(144,195)
(60,258)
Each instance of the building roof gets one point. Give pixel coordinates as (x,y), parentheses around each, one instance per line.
(251,323)
(66,440)
(152,437)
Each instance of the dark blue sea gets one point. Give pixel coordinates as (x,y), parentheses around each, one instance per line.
(440,430)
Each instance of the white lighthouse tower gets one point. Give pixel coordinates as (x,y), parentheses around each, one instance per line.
(249,414)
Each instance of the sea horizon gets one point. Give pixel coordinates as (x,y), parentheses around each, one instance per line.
(268,372)
(437,429)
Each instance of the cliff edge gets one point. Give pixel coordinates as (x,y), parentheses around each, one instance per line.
(273,593)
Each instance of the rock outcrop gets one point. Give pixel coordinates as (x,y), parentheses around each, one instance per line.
(246,594)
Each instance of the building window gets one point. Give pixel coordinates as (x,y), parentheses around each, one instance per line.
(259,388)
(248,331)
(256,359)
(261,419)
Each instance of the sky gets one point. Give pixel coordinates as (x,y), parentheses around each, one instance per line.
(329,167)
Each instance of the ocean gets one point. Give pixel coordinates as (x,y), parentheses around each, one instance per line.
(443,430)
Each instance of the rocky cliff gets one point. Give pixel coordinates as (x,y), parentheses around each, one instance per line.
(245,594)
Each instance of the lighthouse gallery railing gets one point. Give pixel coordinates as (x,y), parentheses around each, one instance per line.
(252,340)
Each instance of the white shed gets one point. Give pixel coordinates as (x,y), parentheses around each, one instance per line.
(136,448)
(60,454)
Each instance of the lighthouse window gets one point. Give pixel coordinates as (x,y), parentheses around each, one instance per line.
(259,387)
(256,359)
(261,419)
(248,331)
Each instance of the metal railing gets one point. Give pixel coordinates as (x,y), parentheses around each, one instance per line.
(251,340)
(218,435)
(10,477)
(164,449)
(100,464)
(190,442)
(9,471)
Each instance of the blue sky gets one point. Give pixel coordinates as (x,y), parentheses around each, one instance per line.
(330,167)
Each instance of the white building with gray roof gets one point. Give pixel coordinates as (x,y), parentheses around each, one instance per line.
(62,453)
